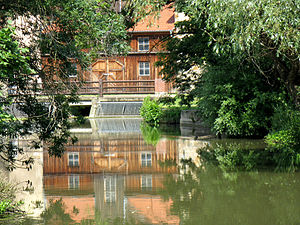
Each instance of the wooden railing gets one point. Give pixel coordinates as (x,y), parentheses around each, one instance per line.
(127,87)
(103,87)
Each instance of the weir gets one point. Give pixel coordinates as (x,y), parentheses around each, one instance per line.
(121,108)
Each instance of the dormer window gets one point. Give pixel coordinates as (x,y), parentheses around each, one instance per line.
(143,43)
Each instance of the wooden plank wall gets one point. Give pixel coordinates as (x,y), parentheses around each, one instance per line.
(130,70)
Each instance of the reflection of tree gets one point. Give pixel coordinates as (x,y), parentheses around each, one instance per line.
(55,214)
(150,134)
(209,196)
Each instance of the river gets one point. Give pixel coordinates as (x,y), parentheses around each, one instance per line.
(118,173)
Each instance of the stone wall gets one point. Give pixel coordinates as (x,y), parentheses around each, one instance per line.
(191,124)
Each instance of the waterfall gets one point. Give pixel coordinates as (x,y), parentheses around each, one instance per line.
(118,108)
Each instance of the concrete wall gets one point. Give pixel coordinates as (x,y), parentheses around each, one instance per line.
(191,124)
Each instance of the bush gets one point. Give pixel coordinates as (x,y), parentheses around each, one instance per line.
(160,111)
(237,102)
(167,100)
(8,205)
(171,115)
(151,111)
(284,141)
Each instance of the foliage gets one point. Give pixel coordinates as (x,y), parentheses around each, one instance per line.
(171,115)
(178,100)
(167,100)
(265,34)
(4,206)
(237,102)
(8,204)
(161,110)
(47,119)
(151,111)
(284,141)
(231,56)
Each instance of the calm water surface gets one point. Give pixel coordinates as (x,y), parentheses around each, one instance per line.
(118,174)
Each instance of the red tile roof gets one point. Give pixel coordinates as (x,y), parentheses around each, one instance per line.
(163,22)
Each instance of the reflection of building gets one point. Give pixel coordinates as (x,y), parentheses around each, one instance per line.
(153,209)
(114,154)
(109,195)
(116,170)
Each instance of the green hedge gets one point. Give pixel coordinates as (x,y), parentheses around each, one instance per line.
(154,112)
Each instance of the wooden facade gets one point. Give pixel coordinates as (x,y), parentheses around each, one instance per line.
(130,67)
(147,39)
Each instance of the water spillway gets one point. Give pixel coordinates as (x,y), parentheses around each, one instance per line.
(118,108)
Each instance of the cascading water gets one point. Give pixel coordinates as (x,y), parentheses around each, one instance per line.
(118,108)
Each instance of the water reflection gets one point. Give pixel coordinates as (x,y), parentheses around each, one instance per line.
(114,171)
(115,174)
(209,196)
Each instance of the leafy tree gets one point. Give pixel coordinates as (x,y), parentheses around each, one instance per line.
(241,58)
(264,33)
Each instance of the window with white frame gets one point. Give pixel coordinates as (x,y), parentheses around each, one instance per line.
(144,68)
(73,70)
(73,158)
(146,159)
(74,182)
(143,43)
(110,189)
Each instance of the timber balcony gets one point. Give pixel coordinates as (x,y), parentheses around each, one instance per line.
(101,87)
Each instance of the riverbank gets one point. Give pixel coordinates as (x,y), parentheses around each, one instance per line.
(9,208)
(282,138)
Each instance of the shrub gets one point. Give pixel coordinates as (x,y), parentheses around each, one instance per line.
(151,111)
(284,141)
(167,100)
(237,102)
(171,115)
(154,112)
(8,205)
